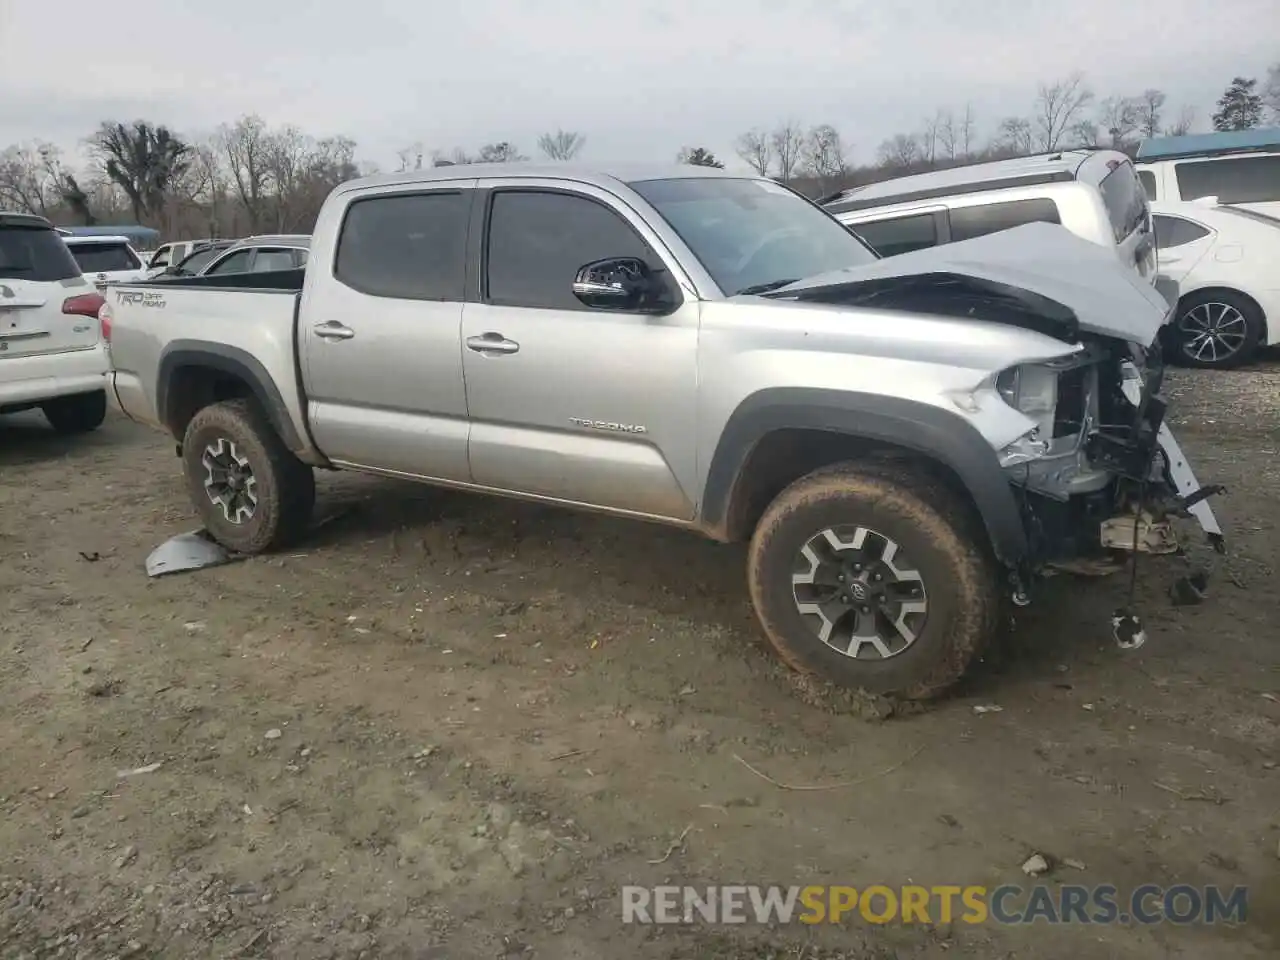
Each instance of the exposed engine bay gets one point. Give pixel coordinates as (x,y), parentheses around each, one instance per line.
(1100,471)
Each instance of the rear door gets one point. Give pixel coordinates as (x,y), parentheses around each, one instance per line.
(1182,244)
(1129,216)
(379,333)
(37,275)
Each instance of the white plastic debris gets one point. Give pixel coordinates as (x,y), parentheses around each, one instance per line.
(1035,865)
(138,771)
(981,708)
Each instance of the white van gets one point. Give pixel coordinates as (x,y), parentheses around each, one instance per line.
(1238,167)
(1093,193)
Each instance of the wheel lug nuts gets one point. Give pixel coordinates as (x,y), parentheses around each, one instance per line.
(877,578)
(841,578)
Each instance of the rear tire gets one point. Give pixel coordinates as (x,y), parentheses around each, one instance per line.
(917,576)
(251,492)
(1237,320)
(79,413)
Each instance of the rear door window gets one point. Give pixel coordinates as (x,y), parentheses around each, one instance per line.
(899,234)
(978,221)
(408,246)
(237,262)
(1125,200)
(1175,231)
(35,253)
(1230,179)
(104,257)
(267,260)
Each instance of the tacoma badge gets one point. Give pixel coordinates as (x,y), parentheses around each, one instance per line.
(608,425)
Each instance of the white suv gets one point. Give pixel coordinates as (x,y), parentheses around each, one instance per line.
(52,352)
(105,260)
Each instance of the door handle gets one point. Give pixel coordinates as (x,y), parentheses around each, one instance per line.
(492,343)
(333,330)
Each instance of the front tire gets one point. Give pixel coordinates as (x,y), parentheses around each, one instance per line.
(251,492)
(80,413)
(873,578)
(1217,330)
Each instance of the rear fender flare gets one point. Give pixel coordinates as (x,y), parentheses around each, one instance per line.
(921,428)
(233,362)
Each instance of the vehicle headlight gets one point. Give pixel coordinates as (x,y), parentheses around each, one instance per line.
(1032,390)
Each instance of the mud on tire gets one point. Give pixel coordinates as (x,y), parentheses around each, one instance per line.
(809,532)
(250,491)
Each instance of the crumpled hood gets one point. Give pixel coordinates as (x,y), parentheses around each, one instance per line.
(1071,281)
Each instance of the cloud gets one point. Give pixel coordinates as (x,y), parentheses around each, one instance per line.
(639,79)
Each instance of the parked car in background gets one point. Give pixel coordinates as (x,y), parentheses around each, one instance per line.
(1239,167)
(1093,193)
(168,254)
(52,352)
(1226,263)
(105,260)
(261,254)
(903,442)
(194,262)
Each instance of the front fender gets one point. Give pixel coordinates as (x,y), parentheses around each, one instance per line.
(930,431)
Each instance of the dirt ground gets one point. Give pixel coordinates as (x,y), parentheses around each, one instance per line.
(453,727)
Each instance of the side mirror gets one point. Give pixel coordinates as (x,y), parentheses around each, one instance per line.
(621,283)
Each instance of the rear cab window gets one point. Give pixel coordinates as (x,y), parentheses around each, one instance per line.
(1230,179)
(36,253)
(104,257)
(1125,200)
(1148,181)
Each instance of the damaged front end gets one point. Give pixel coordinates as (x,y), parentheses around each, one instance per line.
(1099,474)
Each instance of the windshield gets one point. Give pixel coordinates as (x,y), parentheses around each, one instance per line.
(753,235)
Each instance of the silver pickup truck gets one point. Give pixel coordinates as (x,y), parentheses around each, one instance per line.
(904,443)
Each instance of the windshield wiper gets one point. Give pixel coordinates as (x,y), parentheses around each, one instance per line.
(766,287)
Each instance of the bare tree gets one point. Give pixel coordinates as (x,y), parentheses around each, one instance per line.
(1119,118)
(1083,133)
(823,154)
(1149,107)
(561,145)
(1183,125)
(902,150)
(246,145)
(145,161)
(1271,91)
(756,150)
(788,144)
(1014,135)
(1058,106)
(27,180)
(501,152)
(409,158)
(967,130)
(948,135)
(929,138)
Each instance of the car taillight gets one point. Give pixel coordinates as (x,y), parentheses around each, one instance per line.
(84,305)
(104,320)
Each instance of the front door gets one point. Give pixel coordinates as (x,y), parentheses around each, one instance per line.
(568,402)
(379,326)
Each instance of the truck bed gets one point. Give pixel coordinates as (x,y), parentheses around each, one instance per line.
(157,326)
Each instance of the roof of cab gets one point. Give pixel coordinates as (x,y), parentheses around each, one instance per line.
(1060,166)
(607,175)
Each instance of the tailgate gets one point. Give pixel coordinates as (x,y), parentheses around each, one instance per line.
(32,321)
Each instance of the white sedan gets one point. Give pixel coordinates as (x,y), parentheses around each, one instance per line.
(1226,262)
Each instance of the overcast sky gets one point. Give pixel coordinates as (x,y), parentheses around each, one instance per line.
(639,79)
